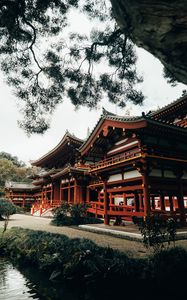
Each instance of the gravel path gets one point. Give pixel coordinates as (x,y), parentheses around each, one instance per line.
(38,223)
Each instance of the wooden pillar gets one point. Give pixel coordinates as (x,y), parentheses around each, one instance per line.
(69,192)
(180,199)
(162,202)
(87,195)
(171,202)
(125,199)
(23,204)
(42,195)
(61,194)
(75,192)
(141,201)
(56,189)
(51,194)
(80,195)
(110,199)
(45,194)
(136,202)
(153,202)
(146,199)
(106,218)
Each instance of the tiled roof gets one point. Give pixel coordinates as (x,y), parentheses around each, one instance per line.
(165,108)
(19,185)
(66,137)
(69,169)
(49,172)
(106,115)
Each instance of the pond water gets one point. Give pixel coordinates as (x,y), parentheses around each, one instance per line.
(28,284)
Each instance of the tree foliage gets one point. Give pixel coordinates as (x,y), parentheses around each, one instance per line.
(43,63)
(11,169)
(7,208)
(14,159)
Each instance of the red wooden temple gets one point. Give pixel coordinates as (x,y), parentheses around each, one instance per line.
(22,194)
(128,166)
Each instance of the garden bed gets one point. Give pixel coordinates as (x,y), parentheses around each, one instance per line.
(99,272)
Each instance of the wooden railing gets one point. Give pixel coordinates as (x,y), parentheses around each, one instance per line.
(96,208)
(114,210)
(43,207)
(115,159)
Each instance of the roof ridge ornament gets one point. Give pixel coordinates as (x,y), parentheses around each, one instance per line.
(106,112)
(67,132)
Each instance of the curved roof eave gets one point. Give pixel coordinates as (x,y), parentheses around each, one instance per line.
(167,107)
(66,138)
(110,117)
(128,123)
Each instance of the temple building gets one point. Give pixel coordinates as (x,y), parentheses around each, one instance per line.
(22,194)
(128,166)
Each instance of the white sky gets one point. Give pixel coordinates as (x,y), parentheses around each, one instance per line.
(13,139)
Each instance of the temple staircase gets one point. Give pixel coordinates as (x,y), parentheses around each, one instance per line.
(44,209)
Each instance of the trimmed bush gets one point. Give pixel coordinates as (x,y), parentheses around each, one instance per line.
(75,214)
(7,208)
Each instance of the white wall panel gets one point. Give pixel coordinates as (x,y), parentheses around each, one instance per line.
(156,173)
(132,174)
(169,174)
(123,147)
(115,177)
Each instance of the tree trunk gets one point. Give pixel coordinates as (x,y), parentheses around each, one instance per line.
(159,27)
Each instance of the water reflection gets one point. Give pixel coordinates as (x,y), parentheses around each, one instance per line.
(29,284)
(13,285)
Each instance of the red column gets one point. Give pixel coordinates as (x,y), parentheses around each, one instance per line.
(153,202)
(42,198)
(81,200)
(106,218)
(23,204)
(69,192)
(180,199)
(141,202)
(171,202)
(75,197)
(56,188)
(87,195)
(51,194)
(136,202)
(162,202)
(146,199)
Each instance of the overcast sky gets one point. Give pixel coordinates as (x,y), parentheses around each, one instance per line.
(13,139)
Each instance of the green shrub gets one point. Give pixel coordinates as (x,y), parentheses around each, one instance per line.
(157,232)
(80,260)
(100,273)
(75,214)
(78,212)
(7,208)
